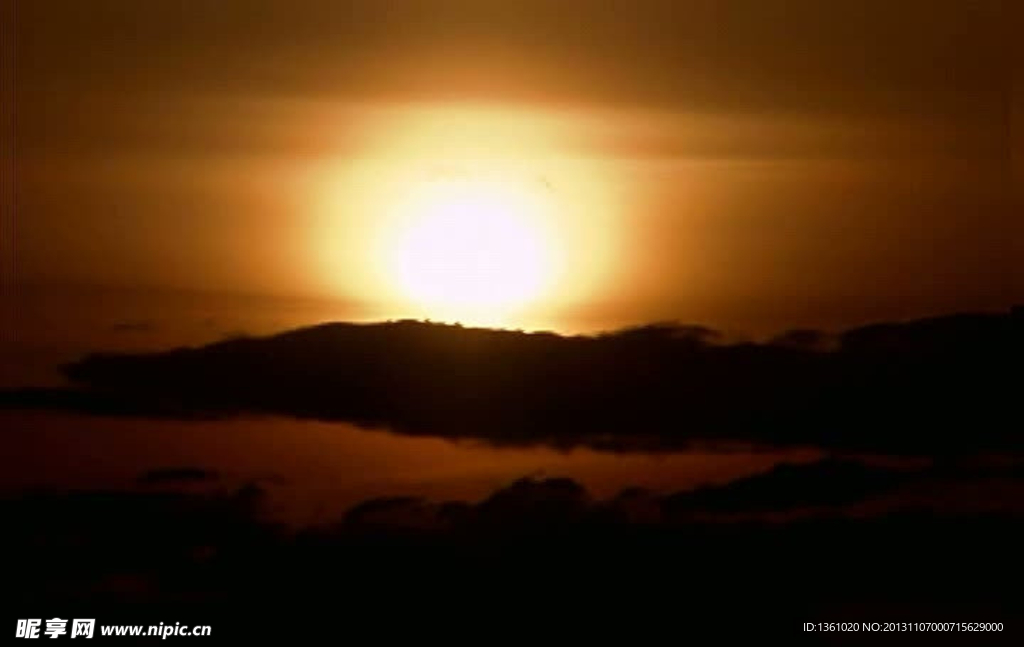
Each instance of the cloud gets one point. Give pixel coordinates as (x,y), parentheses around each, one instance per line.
(932,386)
(548,533)
(825,483)
(830,488)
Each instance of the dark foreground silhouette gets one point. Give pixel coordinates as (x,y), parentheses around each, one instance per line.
(936,386)
(833,541)
(920,500)
(834,530)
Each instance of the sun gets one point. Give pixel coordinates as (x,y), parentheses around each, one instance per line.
(474,214)
(473,249)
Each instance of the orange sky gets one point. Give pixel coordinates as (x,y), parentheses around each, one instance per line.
(709,167)
(316,470)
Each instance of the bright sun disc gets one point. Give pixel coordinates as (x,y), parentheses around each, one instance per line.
(472,247)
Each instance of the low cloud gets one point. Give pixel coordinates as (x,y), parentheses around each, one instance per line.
(934,386)
(754,536)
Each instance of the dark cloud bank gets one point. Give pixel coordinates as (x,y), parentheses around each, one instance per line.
(944,385)
(792,535)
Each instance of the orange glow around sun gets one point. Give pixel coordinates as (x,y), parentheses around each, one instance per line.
(464,216)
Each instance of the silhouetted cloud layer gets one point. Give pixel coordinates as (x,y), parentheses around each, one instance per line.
(816,525)
(940,385)
(827,488)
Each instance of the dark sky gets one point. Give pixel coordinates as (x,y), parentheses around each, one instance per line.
(773,162)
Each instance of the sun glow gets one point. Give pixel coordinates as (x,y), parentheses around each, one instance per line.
(471,248)
(479,216)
